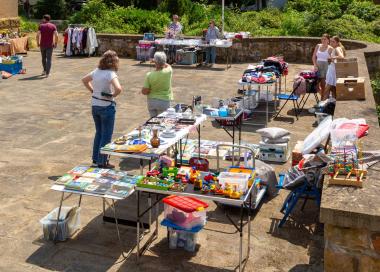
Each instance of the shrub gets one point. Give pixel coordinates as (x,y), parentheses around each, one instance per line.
(27,26)
(55,8)
(364,10)
(179,7)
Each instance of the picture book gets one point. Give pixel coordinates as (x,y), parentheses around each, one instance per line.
(97,188)
(115,174)
(78,170)
(64,179)
(119,185)
(76,185)
(130,179)
(94,172)
(118,193)
(106,180)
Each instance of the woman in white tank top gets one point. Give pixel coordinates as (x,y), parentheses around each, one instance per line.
(320,60)
(337,53)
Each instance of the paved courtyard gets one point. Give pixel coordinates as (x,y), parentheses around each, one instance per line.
(47,128)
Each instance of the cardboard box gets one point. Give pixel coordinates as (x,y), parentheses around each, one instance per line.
(347,67)
(350,89)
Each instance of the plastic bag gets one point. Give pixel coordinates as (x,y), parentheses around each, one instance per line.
(319,135)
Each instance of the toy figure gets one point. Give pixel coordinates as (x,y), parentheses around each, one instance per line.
(235,194)
(153,173)
(193,175)
(198,185)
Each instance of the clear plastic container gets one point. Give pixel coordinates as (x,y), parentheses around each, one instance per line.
(68,223)
(239,179)
(182,239)
(184,219)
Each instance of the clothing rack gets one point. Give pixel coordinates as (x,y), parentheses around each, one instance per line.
(80,40)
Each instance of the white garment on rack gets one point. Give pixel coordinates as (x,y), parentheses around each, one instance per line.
(68,46)
(331,71)
(79,38)
(92,42)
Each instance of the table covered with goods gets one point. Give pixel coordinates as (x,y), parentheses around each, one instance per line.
(179,51)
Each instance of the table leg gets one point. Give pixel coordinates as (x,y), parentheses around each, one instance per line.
(150,210)
(141,166)
(59,213)
(138,227)
(113,207)
(104,209)
(241,238)
(199,141)
(233,132)
(240,125)
(80,200)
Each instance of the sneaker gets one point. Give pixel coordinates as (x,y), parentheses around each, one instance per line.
(311,110)
(94,164)
(43,73)
(107,166)
(47,75)
(211,65)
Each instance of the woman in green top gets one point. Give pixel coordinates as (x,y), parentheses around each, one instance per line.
(158,86)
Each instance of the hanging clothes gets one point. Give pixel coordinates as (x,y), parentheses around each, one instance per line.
(80,41)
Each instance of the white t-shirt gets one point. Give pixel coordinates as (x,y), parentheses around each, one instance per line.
(101,82)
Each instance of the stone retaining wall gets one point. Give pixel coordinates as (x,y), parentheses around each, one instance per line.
(351,249)
(9,23)
(294,49)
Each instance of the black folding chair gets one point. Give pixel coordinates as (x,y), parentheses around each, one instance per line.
(311,88)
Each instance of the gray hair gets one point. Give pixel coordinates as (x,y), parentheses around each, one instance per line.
(160,58)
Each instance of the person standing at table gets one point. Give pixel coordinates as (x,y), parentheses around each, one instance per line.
(338,52)
(104,86)
(158,86)
(320,58)
(213,33)
(47,38)
(174,31)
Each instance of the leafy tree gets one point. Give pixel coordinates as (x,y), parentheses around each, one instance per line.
(179,7)
(57,9)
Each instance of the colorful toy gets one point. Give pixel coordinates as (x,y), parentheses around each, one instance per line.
(169,172)
(153,173)
(194,174)
(345,168)
(197,185)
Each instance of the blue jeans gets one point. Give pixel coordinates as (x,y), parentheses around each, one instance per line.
(104,119)
(46,54)
(210,54)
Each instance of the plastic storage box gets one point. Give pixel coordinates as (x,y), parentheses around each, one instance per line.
(239,179)
(182,239)
(185,212)
(144,53)
(13,69)
(186,57)
(69,223)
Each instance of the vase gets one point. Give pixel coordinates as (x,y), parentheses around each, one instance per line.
(155,141)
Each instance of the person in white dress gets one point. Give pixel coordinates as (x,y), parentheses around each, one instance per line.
(338,52)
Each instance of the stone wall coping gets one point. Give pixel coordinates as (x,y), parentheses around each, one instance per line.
(348,206)
(354,43)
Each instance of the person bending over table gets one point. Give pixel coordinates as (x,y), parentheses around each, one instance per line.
(213,33)
(173,31)
(104,86)
(158,85)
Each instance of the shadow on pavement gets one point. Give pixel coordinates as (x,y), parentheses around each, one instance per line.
(38,77)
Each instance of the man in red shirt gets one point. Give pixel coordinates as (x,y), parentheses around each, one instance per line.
(47,38)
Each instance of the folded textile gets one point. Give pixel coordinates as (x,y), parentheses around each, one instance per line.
(273,132)
(281,140)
